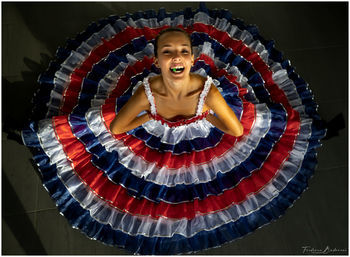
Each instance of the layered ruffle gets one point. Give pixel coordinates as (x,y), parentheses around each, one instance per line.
(81,218)
(163,189)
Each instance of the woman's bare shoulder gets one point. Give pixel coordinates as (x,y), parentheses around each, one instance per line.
(140,97)
(198,79)
(213,94)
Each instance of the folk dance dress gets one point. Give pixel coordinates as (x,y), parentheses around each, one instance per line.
(172,187)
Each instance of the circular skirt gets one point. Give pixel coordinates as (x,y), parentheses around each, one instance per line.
(172,188)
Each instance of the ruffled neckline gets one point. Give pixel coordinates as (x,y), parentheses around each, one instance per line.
(180,122)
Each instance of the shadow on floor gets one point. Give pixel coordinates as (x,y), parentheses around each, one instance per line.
(17,98)
(57,18)
(20,224)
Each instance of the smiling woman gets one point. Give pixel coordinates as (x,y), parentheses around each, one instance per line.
(171,29)
(176,92)
(174,53)
(178,139)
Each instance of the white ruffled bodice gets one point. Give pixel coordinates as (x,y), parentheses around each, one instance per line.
(200,127)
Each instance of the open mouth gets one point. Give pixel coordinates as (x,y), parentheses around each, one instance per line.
(177,70)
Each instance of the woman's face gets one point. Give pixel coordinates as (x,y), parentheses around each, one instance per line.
(175,57)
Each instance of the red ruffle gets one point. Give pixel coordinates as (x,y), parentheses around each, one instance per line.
(71,94)
(117,195)
(181,122)
(167,159)
(139,148)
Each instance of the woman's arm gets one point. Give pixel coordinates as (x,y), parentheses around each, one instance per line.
(227,120)
(126,119)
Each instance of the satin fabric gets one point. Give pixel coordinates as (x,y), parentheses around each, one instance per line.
(170,188)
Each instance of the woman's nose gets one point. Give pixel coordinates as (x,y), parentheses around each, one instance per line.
(176,57)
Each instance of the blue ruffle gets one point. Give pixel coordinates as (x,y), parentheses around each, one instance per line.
(99,71)
(48,77)
(107,162)
(184,146)
(80,218)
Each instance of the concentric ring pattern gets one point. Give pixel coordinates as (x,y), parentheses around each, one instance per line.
(162,188)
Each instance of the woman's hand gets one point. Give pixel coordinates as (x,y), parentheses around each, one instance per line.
(126,119)
(227,120)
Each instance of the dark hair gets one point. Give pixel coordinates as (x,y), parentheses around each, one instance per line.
(171,29)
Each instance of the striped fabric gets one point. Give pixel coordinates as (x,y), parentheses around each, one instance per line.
(167,188)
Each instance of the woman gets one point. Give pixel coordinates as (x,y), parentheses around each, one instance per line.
(181,179)
(176,92)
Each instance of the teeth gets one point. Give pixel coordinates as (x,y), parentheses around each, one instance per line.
(177,69)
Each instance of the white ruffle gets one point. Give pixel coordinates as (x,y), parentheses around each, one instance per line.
(173,135)
(200,103)
(164,227)
(110,80)
(194,173)
(279,76)
(138,84)
(75,59)
(150,96)
(235,33)
(62,77)
(154,126)
(136,225)
(203,95)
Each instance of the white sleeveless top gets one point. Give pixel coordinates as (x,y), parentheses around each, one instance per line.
(187,129)
(200,103)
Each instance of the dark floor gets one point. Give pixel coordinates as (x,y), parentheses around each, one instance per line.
(314,36)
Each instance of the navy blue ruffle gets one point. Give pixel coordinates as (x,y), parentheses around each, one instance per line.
(47,78)
(80,218)
(106,161)
(118,173)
